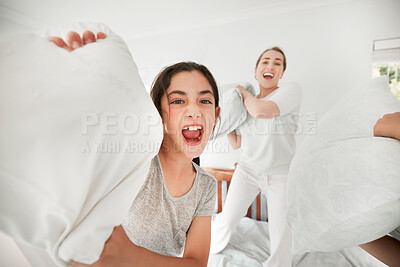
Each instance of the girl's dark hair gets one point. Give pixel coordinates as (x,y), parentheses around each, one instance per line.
(196,160)
(277,49)
(163,81)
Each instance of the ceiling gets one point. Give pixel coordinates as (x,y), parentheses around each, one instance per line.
(134,19)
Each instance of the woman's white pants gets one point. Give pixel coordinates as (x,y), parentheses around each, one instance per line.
(246,184)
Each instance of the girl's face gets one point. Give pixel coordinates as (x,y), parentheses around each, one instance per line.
(188,113)
(270,69)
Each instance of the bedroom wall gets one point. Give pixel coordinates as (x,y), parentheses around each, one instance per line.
(10,27)
(328,49)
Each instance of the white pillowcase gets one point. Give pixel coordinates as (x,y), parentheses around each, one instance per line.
(344,183)
(60,196)
(233,112)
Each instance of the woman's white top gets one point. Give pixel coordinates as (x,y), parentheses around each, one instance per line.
(269,144)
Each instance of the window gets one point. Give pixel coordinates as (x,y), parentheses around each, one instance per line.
(386,61)
(391,69)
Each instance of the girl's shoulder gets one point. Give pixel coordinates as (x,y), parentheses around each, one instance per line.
(204,177)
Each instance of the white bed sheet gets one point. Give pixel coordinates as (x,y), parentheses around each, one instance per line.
(249,247)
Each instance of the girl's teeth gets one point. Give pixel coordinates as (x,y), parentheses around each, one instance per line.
(192,128)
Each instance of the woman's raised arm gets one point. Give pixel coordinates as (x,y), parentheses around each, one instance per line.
(258,108)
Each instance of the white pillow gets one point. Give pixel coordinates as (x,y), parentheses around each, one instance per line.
(233,112)
(60,197)
(344,184)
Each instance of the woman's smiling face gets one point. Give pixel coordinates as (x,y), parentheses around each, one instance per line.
(189,113)
(270,69)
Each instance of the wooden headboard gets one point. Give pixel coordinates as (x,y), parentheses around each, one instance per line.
(225,175)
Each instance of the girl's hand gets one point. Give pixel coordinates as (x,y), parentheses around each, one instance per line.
(74,40)
(388,126)
(118,251)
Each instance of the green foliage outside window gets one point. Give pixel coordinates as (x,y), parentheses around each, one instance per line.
(393,70)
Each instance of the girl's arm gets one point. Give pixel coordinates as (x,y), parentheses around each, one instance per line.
(196,253)
(235,140)
(120,251)
(198,241)
(259,108)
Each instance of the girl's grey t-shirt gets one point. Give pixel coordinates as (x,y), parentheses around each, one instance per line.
(159,222)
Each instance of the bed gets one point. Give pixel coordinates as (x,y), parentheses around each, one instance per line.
(249,245)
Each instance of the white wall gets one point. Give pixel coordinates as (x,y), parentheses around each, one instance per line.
(328,48)
(9,27)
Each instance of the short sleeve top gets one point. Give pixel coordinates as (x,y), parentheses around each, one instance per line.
(269,144)
(159,222)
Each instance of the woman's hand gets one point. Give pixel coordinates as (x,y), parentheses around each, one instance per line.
(388,126)
(258,108)
(117,251)
(74,40)
(235,140)
(241,89)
